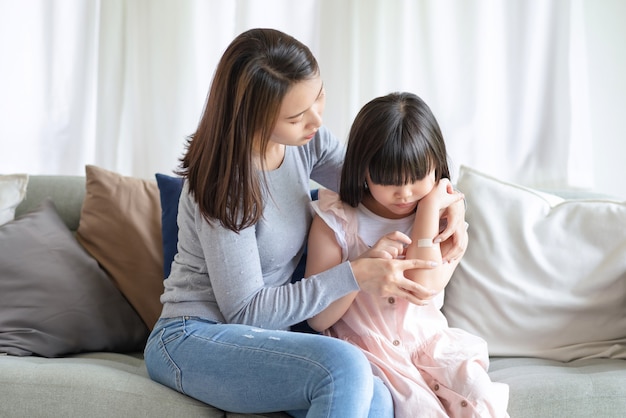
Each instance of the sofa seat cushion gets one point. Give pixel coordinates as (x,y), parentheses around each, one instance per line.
(90,385)
(93,385)
(550,388)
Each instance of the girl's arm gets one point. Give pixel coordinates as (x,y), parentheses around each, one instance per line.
(425,229)
(378,271)
(324,252)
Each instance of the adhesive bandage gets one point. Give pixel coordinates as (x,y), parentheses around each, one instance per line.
(424,243)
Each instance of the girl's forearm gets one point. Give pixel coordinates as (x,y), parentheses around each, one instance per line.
(425,229)
(327,318)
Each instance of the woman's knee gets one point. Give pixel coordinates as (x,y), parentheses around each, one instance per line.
(348,361)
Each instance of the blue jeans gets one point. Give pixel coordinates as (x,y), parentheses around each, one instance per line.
(240,368)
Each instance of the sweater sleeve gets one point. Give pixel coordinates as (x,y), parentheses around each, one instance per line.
(244,297)
(329,153)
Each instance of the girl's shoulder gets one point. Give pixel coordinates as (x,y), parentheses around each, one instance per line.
(329,205)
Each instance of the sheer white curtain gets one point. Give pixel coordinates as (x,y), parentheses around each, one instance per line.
(505,79)
(121,83)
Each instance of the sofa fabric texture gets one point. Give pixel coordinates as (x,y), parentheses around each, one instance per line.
(491,295)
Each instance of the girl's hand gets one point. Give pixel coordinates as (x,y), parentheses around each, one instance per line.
(442,196)
(390,246)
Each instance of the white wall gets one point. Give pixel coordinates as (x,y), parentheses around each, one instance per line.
(607,95)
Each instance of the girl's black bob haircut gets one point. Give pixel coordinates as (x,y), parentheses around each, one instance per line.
(396,140)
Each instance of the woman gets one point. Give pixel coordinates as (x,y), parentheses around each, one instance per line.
(228,304)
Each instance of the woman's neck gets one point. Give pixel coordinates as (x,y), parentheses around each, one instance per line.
(273,158)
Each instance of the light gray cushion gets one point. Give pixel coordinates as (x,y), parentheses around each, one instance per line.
(54,297)
(549,388)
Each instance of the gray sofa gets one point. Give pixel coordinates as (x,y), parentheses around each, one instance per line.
(114,384)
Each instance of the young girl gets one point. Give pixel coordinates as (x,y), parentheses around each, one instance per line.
(223,336)
(395,185)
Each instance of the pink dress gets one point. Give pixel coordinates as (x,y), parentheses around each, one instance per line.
(432,370)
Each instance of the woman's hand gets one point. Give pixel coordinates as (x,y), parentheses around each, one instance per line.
(384,277)
(391,279)
(454,237)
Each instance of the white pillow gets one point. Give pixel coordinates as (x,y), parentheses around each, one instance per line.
(542,276)
(12,192)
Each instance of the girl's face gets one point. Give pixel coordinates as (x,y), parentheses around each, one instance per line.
(300,113)
(396,202)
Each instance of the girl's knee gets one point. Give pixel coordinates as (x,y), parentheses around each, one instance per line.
(382,401)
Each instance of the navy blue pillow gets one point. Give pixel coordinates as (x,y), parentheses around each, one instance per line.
(169,190)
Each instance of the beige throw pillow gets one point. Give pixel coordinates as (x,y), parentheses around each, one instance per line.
(120,226)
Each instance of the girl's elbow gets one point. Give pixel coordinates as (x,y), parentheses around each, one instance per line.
(317,324)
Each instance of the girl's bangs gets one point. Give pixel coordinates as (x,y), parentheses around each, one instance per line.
(397,166)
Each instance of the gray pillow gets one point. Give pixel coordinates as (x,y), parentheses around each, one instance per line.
(54,297)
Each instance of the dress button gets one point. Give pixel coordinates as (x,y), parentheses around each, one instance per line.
(463,404)
(396,342)
(436,386)
(391,300)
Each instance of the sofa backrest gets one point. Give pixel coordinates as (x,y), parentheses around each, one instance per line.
(67,193)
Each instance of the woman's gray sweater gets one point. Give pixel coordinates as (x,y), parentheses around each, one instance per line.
(245,277)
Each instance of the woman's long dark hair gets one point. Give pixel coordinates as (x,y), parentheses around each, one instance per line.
(253,76)
(397,140)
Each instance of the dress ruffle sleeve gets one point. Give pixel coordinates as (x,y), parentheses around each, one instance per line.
(337,216)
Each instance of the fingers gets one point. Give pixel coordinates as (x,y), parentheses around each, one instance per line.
(455,247)
(416,293)
(452,254)
(416,263)
(378,253)
(391,245)
(398,237)
(385,278)
(455,215)
(420,296)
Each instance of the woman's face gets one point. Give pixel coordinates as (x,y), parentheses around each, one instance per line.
(300,113)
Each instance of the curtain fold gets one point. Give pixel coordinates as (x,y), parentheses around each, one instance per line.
(122,83)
